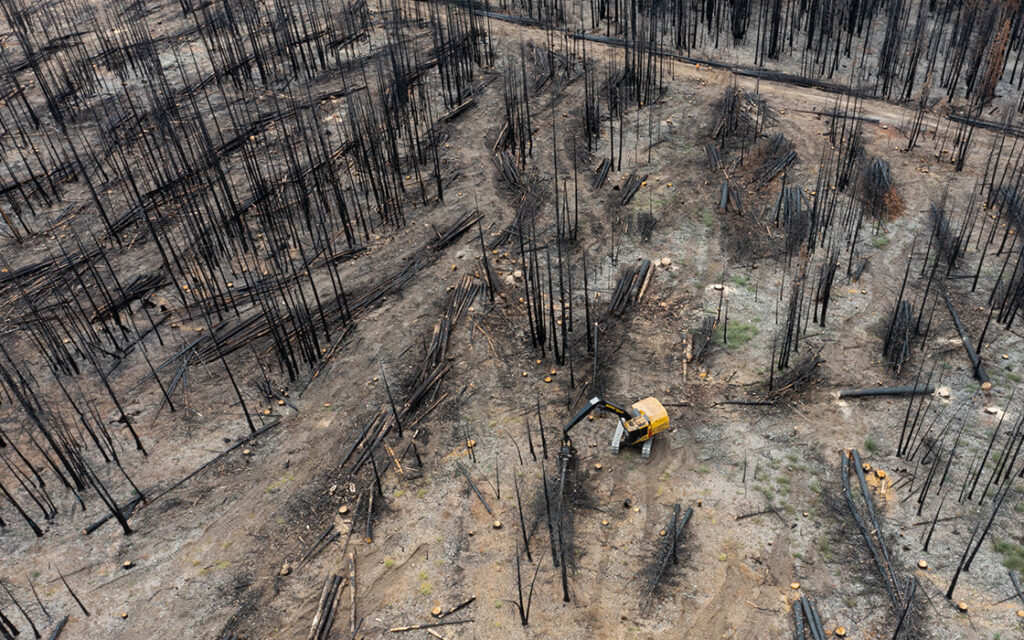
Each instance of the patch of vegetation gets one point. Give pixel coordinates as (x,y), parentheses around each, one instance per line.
(881,242)
(389,562)
(707,217)
(825,548)
(220,566)
(870,444)
(739,334)
(280,482)
(1013,555)
(740,279)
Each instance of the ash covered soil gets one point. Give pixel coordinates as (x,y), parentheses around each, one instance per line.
(420,371)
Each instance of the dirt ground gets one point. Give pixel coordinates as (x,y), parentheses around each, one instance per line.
(208,556)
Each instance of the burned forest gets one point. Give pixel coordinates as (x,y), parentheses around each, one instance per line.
(512,319)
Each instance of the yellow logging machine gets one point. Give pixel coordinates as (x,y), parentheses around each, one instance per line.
(637,425)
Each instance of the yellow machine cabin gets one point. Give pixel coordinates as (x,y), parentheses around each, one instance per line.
(637,425)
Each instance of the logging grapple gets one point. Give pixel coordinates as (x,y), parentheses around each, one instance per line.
(637,425)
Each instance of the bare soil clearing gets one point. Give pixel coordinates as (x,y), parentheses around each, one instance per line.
(408,373)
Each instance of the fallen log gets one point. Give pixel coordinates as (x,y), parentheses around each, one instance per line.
(1016,585)
(910,590)
(220,456)
(60,627)
(458,607)
(813,619)
(865,533)
(601,173)
(473,486)
(841,115)
(328,621)
(127,510)
(629,189)
(714,157)
(458,110)
(991,126)
(888,391)
(979,372)
(353,625)
(428,625)
(325,540)
(314,628)
(752,514)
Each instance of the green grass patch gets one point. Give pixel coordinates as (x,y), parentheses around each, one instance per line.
(740,279)
(870,444)
(825,548)
(881,242)
(707,217)
(768,494)
(1013,555)
(425,586)
(280,482)
(739,334)
(220,566)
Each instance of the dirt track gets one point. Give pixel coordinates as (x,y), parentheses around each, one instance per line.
(208,557)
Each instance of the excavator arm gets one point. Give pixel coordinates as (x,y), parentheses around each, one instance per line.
(592,405)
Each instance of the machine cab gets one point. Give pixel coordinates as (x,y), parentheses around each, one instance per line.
(649,418)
